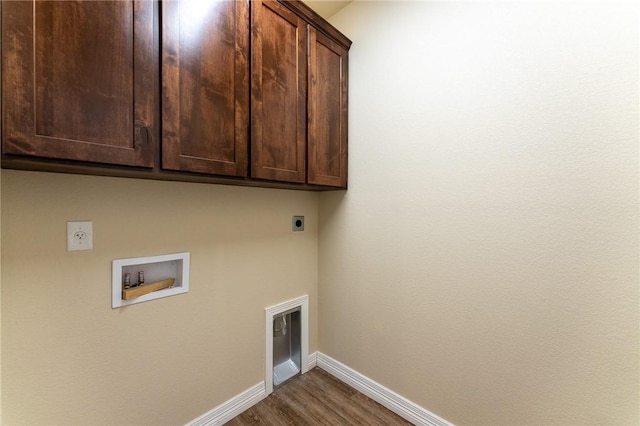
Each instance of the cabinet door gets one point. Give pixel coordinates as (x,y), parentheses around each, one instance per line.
(278,93)
(205,86)
(77,80)
(328,68)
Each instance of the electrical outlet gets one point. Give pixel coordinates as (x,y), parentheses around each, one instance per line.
(79,236)
(297,223)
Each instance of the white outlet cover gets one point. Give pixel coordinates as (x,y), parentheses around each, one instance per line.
(79,235)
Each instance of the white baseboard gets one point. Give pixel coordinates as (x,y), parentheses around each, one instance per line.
(231,408)
(241,402)
(386,397)
(312,361)
(382,395)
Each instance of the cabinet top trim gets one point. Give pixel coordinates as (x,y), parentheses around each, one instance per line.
(311,17)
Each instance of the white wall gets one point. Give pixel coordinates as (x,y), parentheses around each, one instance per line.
(484,261)
(68,358)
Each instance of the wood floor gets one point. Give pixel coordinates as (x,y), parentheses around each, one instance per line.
(317,398)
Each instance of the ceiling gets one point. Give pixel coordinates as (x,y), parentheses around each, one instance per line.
(326,8)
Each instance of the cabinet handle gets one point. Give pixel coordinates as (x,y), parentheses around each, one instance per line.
(142,134)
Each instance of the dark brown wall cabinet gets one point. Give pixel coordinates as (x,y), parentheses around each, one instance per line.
(205,86)
(278,93)
(328,67)
(77,81)
(250,93)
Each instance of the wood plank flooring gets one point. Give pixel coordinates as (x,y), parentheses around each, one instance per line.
(317,398)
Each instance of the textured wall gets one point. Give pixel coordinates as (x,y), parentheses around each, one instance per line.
(68,358)
(1,303)
(484,262)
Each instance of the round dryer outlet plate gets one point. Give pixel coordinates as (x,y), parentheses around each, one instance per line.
(297,223)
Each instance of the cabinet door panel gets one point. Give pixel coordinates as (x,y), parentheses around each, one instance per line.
(205,83)
(328,69)
(78,80)
(278,96)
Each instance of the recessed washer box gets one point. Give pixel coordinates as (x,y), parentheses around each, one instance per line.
(164,275)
